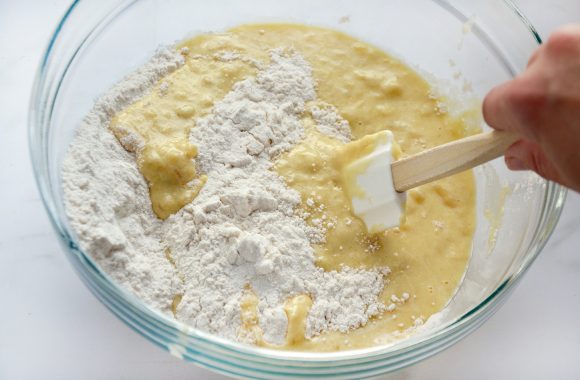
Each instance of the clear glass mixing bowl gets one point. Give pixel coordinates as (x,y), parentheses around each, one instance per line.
(475,43)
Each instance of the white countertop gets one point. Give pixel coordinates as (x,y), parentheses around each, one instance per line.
(51,327)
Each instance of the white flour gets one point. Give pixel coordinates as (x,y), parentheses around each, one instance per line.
(240,230)
(107,199)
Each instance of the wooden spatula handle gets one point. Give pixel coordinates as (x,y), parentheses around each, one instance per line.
(449,159)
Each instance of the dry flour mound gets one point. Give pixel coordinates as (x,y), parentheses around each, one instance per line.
(240,230)
(107,199)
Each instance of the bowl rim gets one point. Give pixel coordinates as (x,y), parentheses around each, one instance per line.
(554,194)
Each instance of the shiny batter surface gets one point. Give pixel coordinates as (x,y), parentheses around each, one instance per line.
(373,91)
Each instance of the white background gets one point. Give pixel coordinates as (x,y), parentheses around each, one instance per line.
(51,327)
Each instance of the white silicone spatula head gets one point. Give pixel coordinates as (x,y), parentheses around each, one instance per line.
(368,181)
(375,182)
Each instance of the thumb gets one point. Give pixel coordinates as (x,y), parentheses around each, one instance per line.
(526,155)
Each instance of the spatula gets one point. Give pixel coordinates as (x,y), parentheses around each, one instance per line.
(380,181)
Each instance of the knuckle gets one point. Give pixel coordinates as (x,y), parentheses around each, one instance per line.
(563,41)
(526,101)
(528,106)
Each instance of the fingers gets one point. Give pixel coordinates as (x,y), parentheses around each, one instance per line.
(564,42)
(497,109)
(526,155)
(518,105)
(492,107)
(542,106)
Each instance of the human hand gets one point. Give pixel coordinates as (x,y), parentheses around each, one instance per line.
(542,105)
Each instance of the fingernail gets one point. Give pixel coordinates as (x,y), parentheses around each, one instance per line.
(515,163)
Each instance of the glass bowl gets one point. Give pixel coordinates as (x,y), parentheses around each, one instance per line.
(476,44)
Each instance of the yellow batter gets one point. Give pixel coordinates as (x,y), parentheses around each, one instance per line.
(163,120)
(427,255)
